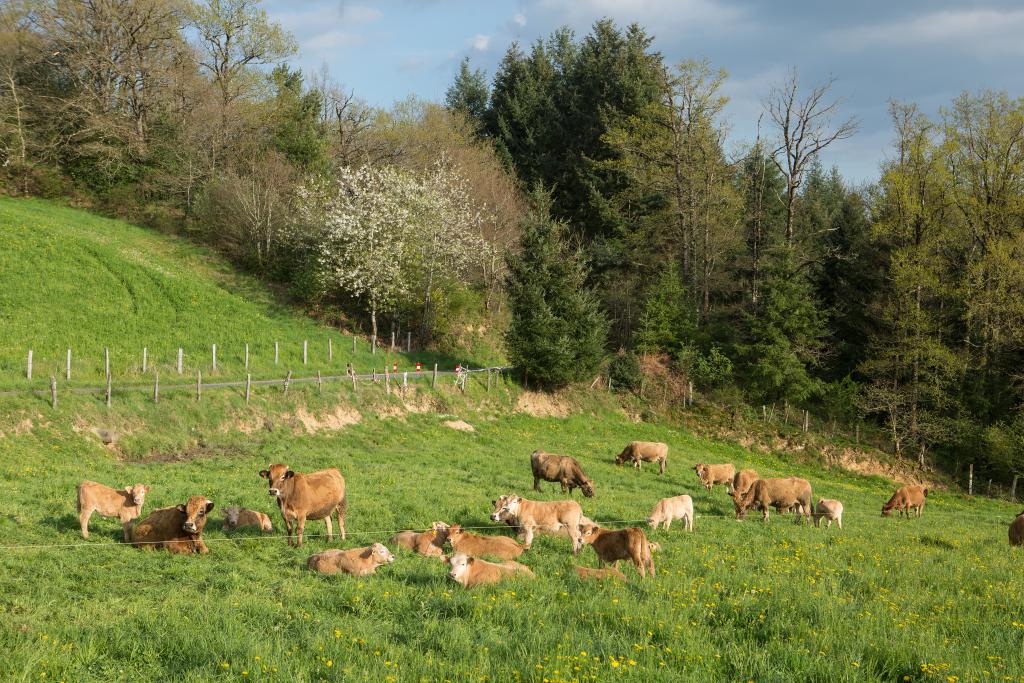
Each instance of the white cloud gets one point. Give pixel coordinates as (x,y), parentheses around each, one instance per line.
(333,40)
(480,42)
(519,19)
(656,15)
(988,32)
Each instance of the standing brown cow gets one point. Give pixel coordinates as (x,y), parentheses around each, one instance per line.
(622,544)
(1016,530)
(781,493)
(561,469)
(906,499)
(644,451)
(178,529)
(715,474)
(317,495)
(125,504)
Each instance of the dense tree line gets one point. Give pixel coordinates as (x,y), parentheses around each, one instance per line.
(760,271)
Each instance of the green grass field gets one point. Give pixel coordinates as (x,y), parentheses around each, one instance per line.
(930,599)
(69,279)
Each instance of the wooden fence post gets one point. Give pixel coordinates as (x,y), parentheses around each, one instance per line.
(305,352)
(387,380)
(405,382)
(353,376)
(145,359)
(989,494)
(392,339)
(970,479)
(106,361)
(181,354)
(319,384)
(156,386)
(246,356)
(108,390)
(807,420)
(856,434)
(488,380)
(199,385)
(214,356)
(287,381)
(433,381)
(276,352)
(373,344)
(408,342)
(53,392)
(330,349)
(28,370)
(609,383)
(353,344)
(691,392)
(1013,489)
(67,367)
(248,386)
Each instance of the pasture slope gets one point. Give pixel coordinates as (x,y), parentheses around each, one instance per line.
(930,599)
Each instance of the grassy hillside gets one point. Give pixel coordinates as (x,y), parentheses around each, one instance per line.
(930,599)
(72,279)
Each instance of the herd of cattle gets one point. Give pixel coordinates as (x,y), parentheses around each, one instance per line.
(321,495)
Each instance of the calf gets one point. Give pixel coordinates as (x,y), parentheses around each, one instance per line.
(356,561)
(125,504)
(905,499)
(471,571)
(531,515)
(667,509)
(235,517)
(562,469)
(178,529)
(780,493)
(828,510)
(715,474)
(317,495)
(1016,530)
(646,451)
(622,544)
(613,573)
(742,482)
(475,545)
(429,543)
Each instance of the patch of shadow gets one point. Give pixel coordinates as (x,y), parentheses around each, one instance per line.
(936,542)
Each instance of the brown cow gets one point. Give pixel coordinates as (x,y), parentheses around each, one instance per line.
(742,481)
(125,504)
(355,561)
(475,545)
(646,451)
(429,543)
(236,517)
(780,493)
(317,495)
(905,499)
(531,516)
(715,474)
(622,544)
(829,510)
(178,529)
(561,469)
(1016,530)
(667,509)
(601,574)
(471,571)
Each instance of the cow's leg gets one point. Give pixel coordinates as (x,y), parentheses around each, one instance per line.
(536,483)
(638,562)
(126,527)
(300,525)
(330,528)
(528,539)
(765,518)
(83,521)
(689,522)
(287,526)
(341,521)
(201,546)
(668,522)
(661,466)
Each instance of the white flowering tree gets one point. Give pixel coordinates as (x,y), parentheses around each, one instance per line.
(389,237)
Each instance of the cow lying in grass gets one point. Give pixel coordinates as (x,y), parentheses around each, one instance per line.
(531,516)
(644,451)
(236,518)
(429,543)
(560,469)
(715,474)
(622,544)
(178,529)
(470,571)
(906,499)
(356,561)
(317,495)
(466,543)
(125,504)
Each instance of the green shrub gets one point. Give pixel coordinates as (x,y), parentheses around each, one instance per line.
(625,371)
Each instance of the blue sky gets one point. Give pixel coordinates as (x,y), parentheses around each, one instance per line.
(913,50)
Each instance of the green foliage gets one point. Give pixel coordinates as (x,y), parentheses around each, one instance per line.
(296,114)
(625,371)
(667,320)
(469,94)
(557,330)
(713,369)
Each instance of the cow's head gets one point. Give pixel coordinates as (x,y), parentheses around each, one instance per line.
(887,510)
(461,565)
(587,487)
(380,555)
(702,471)
(454,533)
(195,511)
(505,507)
(137,494)
(277,475)
(742,502)
(231,518)
(623,456)
(590,532)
